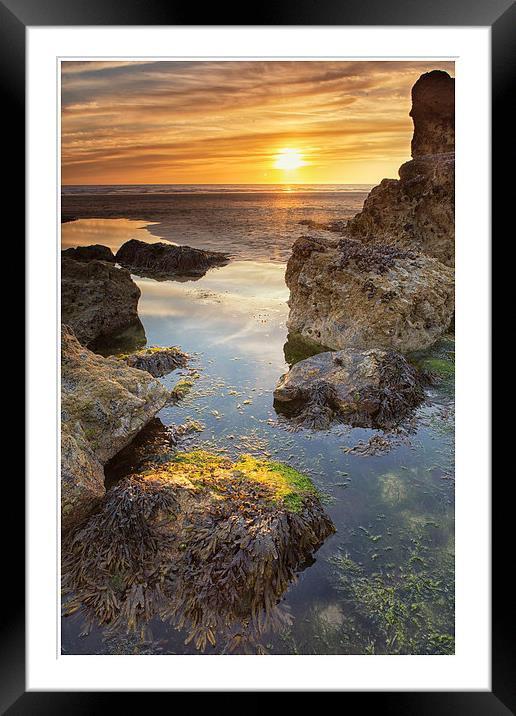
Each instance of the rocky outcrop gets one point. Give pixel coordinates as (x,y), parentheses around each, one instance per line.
(201,542)
(156,360)
(98,300)
(104,404)
(369,389)
(388,283)
(347,294)
(162,260)
(417,210)
(433,114)
(337,227)
(89,253)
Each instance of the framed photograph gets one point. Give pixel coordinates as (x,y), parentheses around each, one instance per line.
(258,293)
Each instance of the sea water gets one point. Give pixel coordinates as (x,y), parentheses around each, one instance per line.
(384,582)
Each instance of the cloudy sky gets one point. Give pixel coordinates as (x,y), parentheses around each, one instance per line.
(194,122)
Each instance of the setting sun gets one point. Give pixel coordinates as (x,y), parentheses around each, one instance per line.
(289,159)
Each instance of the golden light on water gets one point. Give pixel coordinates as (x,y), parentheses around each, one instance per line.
(289,159)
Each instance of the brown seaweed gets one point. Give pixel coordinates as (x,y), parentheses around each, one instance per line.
(212,557)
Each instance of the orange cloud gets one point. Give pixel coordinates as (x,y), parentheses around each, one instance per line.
(225,121)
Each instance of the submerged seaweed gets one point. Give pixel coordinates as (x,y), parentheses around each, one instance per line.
(404,610)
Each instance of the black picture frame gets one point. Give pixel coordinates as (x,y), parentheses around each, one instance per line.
(500,16)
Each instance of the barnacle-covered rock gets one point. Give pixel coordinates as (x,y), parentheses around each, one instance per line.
(203,542)
(156,360)
(347,294)
(370,388)
(104,404)
(388,283)
(416,211)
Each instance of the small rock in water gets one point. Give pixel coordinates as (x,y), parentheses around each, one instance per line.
(156,360)
(370,388)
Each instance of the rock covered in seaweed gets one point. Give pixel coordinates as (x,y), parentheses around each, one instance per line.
(89,253)
(347,294)
(104,404)
(371,389)
(161,260)
(205,543)
(156,360)
(98,300)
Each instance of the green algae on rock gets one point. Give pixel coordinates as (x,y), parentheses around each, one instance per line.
(180,390)
(104,404)
(438,364)
(408,610)
(298,348)
(208,544)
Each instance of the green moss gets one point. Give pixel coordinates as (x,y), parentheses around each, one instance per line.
(284,485)
(199,458)
(439,359)
(288,486)
(182,388)
(297,348)
(442,367)
(149,350)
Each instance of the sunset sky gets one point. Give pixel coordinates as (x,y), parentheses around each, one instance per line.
(225,122)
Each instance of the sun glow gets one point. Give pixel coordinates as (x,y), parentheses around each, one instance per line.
(289,159)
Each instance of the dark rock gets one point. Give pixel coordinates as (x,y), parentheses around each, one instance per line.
(156,360)
(90,253)
(167,260)
(98,300)
(128,340)
(370,389)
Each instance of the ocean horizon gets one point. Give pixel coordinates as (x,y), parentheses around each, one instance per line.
(95,189)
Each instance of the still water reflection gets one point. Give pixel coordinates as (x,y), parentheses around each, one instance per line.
(384,582)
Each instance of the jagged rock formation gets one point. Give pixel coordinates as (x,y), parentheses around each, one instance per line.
(417,210)
(201,542)
(90,253)
(369,389)
(156,360)
(433,114)
(98,300)
(389,282)
(104,404)
(348,294)
(162,260)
